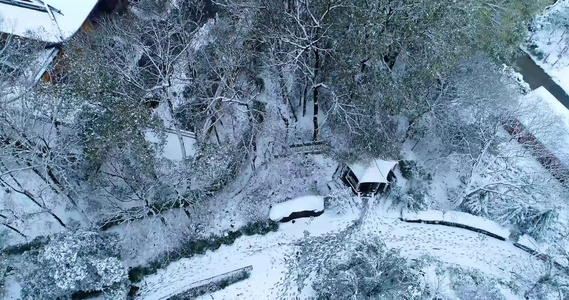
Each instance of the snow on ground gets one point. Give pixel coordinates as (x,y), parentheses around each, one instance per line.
(448,244)
(282,210)
(548,120)
(552,41)
(28,217)
(172,147)
(266,254)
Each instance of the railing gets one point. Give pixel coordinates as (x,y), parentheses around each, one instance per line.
(185,133)
(316,147)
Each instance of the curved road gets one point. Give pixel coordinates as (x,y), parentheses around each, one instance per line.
(535,76)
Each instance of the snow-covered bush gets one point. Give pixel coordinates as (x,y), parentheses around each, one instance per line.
(473,285)
(476,292)
(370,272)
(414,198)
(339,200)
(72,262)
(547,282)
(215,165)
(530,217)
(533,219)
(410,169)
(414,195)
(535,51)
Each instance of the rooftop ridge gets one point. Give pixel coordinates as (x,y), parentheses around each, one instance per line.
(25,5)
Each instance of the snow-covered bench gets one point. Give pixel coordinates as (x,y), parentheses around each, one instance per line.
(302,207)
(458,219)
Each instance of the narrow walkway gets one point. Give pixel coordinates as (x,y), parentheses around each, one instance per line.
(535,76)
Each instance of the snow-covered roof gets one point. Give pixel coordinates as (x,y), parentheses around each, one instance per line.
(548,120)
(307,203)
(374,171)
(51,21)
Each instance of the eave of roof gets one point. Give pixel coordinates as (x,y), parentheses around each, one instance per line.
(68,17)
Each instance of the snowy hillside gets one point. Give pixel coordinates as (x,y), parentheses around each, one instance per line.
(268,149)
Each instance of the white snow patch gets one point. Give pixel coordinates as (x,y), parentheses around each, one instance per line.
(548,120)
(376,171)
(307,203)
(528,241)
(172,148)
(13,289)
(426,215)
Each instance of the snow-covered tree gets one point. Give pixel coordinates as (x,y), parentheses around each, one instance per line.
(79,261)
(221,102)
(548,281)
(466,122)
(369,272)
(349,266)
(534,218)
(404,51)
(33,157)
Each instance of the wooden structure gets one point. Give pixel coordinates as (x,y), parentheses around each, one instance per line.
(368,178)
(51,22)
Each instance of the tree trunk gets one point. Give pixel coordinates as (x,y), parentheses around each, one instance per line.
(304,98)
(15,230)
(285,95)
(315,95)
(11,227)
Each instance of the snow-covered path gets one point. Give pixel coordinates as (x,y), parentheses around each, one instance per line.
(267,254)
(449,244)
